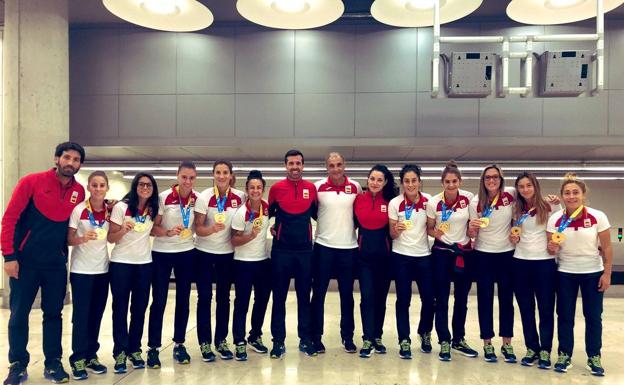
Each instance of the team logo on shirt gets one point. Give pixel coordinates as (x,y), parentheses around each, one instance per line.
(234,203)
(384,208)
(462,204)
(505,201)
(306,193)
(74,197)
(348,189)
(587,223)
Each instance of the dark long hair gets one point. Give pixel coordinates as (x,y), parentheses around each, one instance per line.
(132,197)
(390,190)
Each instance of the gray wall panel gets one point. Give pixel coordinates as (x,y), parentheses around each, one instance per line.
(264,115)
(94,116)
(147,62)
(325,60)
(210,116)
(147,116)
(324,115)
(385,115)
(385,59)
(265,61)
(513,116)
(94,62)
(446,117)
(206,62)
(615,48)
(576,116)
(616,112)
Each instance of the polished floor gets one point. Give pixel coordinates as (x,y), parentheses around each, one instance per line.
(336,366)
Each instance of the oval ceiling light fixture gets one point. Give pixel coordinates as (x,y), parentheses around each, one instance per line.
(547,12)
(163,15)
(419,13)
(291,14)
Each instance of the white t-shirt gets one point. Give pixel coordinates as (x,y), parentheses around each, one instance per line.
(578,253)
(495,237)
(90,257)
(412,242)
(134,247)
(256,249)
(334,224)
(219,242)
(458,220)
(533,240)
(169,208)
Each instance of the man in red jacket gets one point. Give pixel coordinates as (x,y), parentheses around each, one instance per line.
(34,246)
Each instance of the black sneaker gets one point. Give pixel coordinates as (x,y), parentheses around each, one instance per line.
(445,351)
(425,342)
(17,374)
(307,348)
(564,362)
(120,363)
(240,352)
(595,367)
(180,355)
(79,369)
(529,358)
(278,350)
(367,349)
(463,347)
(56,373)
(379,346)
(257,345)
(224,351)
(96,367)
(153,359)
(349,346)
(319,347)
(544,360)
(136,360)
(489,353)
(508,353)
(206,352)
(405,351)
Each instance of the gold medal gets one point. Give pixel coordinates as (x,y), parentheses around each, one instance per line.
(408,224)
(444,227)
(257,223)
(186,233)
(140,227)
(485,222)
(558,238)
(101,233)
(220,217)
(516,230)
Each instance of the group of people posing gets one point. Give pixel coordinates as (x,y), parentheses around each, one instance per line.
(541,249)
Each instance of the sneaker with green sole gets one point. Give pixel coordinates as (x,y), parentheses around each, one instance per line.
(206,352)
(489,354)
(595,367)
(56,373)
(95,366)
(367,349)
(463,347)
(544,360)
(564,362)
(529,358)
(79,369)
(240,352)
(425,342)
(180,355)
(136,360)
(153,358)
(405,350)
(508,354)
(120,363)
(445,351)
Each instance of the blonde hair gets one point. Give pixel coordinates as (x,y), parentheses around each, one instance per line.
(570,178)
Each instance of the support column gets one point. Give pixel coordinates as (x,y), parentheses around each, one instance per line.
(36,90)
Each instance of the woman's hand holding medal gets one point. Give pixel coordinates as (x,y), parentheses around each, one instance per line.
(513,238)
(127,226)
(90,235)
(217,227)
(176,230)
(553,247)
(400,227)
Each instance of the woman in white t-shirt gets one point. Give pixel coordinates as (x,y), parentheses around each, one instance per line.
(580,238)
(447,222)
(534,269)
(252,266)
(490,224)
(89,278)
(214,211)
(412,255)
(130,269)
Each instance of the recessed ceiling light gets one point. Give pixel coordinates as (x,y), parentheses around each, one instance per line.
(290,14)
(163,15)
(548,12)
(419,13)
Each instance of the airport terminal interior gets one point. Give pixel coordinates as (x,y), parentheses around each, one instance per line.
(142,85)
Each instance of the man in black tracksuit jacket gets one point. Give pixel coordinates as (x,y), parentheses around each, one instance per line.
(293,202)
(34,246)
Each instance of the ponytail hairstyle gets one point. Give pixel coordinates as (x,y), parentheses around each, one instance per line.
(255,174)
(451,168)
(390,190)
(542,208)
(483,193)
